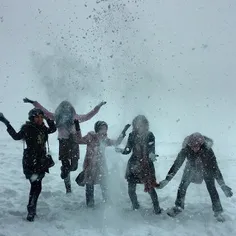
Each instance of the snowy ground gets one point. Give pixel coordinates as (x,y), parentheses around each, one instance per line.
(60,214)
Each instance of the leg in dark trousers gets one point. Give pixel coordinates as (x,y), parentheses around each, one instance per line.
(35,191)
(89,195)
(133,195)
(65,155)
(180,200)
(155,201)
(216,204)
(65,174)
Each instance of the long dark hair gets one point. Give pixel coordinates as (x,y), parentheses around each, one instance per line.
(140,118)
(64,114)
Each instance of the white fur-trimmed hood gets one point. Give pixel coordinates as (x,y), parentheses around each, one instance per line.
(208,142)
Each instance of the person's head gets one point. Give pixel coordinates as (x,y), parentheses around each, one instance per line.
(64,114)
(140,124)
(65,107)
(101,128)
(36,116)
(195,141)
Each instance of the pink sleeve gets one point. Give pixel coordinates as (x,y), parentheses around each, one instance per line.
(83,140)
(47,113)
(111,142)
(88,116)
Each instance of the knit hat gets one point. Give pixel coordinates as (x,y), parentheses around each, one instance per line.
(34,112)
(98,125)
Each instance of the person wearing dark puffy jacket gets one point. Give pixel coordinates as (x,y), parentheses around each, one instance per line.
(35,161)
(201,165)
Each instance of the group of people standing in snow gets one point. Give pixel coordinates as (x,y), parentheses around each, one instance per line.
(196,149)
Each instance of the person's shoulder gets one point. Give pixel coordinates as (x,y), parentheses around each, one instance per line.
(91,135)
(26,125)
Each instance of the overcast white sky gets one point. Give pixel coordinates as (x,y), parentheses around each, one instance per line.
(173,61)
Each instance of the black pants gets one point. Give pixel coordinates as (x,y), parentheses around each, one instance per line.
(35,190)
(134,199)
(65,174)
(69,156)
(210,184)
(89,192)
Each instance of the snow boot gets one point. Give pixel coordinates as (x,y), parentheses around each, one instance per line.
(31,212)
(135,205)
(219,217)
(174,211)
(157,210)
(30,217)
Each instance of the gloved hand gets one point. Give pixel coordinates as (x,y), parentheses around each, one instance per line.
(102,103)
(3,119)
(163,183)
(77,126)
(153,157)
(119,150)
(26,100)
(227,190)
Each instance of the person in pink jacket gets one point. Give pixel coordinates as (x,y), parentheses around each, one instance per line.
(64,117)
(94,168)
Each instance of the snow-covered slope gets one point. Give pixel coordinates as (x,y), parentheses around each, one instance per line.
(61,214)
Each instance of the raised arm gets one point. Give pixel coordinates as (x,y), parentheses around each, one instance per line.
(47,113)
(36,104)
(128,148)
(51,126)
(92,113)
(118,141)
(15,135)
(151,143)
(112,142)
(81,140)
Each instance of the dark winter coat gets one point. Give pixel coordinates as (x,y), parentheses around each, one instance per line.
(199,166)
(141,147)
(35,137)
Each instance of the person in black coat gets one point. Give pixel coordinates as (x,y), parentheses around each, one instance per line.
(140,168)
(201,165)
(35,161)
